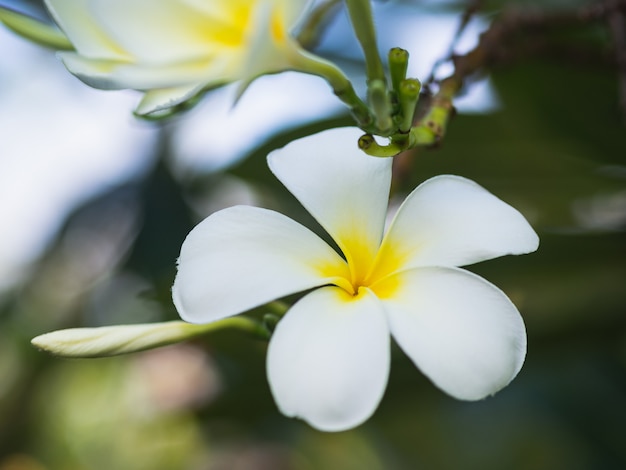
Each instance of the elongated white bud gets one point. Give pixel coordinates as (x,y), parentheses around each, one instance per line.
(122,339)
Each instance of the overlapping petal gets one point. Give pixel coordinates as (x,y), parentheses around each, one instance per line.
(270,48)
(115,75)
(243,257)
(459,330)
(83,29)
(344,189)
(164,98)
(328,360)
(452,221)
(292,11)
(171,31)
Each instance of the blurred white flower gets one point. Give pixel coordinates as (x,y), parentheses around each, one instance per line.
(328,359)
(174,49)
(56,149)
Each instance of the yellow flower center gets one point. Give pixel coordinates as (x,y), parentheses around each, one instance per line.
(365,270)
(229,27)
(232,26)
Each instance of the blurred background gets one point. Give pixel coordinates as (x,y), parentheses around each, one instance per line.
(94,205)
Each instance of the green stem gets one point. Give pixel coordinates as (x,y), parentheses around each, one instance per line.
(398,65)
(432,127)
(408,94)
(305,62)
(239,322)
(378,97)
(362,19)
(368,144)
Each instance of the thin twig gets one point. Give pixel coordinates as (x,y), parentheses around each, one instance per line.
(496,41)
(472,8)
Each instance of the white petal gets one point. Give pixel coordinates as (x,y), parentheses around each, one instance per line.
(459,330)
(344,189)
(452,221)
(271,47)
(156,31)
(115,75)
(96,73)
(243,257)
(77,20)
(328,359)
(293,11)
(217,9)
(164,98)
(265,53)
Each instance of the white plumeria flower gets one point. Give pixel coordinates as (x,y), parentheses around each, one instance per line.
(328,359)
(173,49)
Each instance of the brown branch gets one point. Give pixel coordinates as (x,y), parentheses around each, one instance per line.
(472,8)
(502,42)
(495,43)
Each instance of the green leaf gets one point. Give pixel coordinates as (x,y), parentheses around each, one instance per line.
(34,30)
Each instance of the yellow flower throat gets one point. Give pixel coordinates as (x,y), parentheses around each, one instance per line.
(363,269)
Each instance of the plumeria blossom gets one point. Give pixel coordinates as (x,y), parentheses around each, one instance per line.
(329,357)
(174,49)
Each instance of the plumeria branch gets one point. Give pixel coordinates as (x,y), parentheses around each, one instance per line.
(390,112)
(495,46)
(496,43)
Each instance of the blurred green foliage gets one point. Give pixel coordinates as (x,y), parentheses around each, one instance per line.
(556,150)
